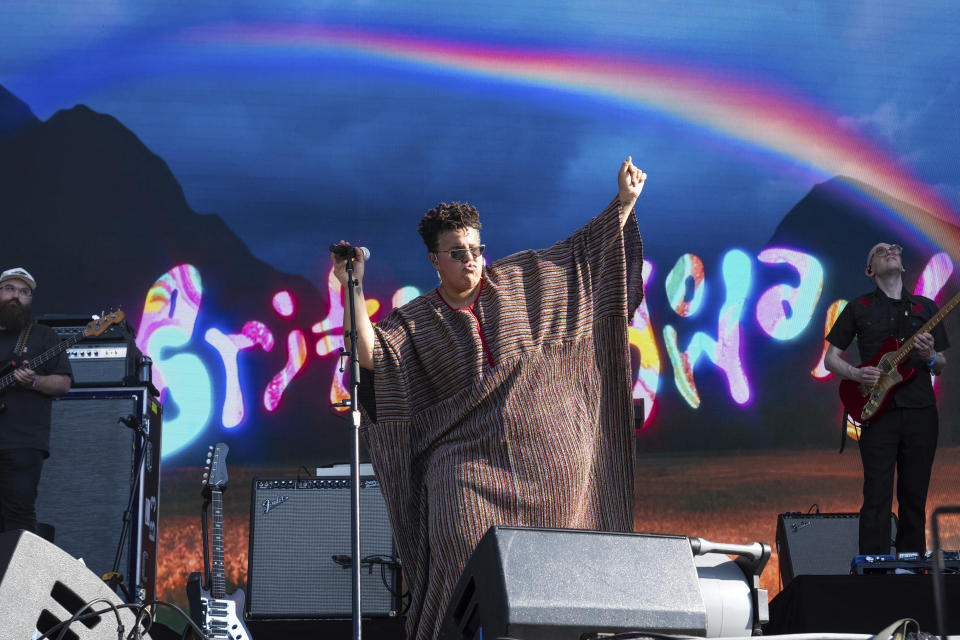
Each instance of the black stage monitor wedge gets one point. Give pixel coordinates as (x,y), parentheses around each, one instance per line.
(558,584)
(43,587)
(299,559)
(818,543)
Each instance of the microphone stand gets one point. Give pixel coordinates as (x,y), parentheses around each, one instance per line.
(355,461)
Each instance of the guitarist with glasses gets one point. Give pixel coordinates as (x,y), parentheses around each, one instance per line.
(900,342)
(25,420)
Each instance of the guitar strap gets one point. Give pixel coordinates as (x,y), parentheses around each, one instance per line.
(843,429)
(22,341)
(902,316)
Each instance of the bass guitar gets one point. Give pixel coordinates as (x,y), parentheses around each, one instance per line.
(865,403)
(221,613)
(94,328)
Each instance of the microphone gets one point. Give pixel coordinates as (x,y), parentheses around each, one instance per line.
(344,250)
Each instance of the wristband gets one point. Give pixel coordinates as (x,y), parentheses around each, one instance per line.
(36,381)
(932,362)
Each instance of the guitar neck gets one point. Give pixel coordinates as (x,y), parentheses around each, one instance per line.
(907,346)
(49,354)
(218,584)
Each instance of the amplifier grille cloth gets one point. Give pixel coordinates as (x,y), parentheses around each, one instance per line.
(292,572)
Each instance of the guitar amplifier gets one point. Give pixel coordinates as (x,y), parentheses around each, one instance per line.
(105,364)
(300,547)
(818,543)
(112,359)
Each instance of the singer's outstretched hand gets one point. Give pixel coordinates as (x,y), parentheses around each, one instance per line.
(630,180)
(340,266)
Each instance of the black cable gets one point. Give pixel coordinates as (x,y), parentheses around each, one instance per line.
(385,562)
(139,610)
(186,616)
(79,615)
(140,447)
(403,597)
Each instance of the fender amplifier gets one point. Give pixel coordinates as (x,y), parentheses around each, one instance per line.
(818,543)
(300,547)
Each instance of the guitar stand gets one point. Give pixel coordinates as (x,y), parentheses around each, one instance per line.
(115,579)
(205,537)
(198,582)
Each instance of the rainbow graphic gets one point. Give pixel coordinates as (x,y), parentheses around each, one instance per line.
(761,116)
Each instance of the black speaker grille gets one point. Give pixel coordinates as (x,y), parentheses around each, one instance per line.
(296,527)
(85,484)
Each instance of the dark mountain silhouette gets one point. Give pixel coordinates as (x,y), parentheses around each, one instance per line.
(15,116)
(97,218)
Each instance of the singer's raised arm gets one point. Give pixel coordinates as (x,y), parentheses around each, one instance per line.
(365,336)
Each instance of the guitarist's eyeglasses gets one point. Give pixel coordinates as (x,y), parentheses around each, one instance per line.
(23,292)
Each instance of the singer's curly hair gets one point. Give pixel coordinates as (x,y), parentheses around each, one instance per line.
(447,217)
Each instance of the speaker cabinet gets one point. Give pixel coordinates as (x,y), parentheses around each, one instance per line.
(300,547)
(43,587)
(556,584)
(819,543)
(95,462)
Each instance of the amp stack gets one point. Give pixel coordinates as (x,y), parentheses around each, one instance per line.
(100,488)
(111,359)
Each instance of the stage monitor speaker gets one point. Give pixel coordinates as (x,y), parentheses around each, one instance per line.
(87,480)
(43,587)
(299,559)
(557,584)
(818,543)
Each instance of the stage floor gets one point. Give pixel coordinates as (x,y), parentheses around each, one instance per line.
(723,497)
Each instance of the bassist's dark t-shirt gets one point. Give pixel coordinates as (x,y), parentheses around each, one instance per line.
(26,420)
(874,317)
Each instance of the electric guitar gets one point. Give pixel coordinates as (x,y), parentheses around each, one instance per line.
(221,613)
(865,403)
(93,328)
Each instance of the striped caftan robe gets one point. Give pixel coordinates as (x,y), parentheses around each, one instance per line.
(516,411)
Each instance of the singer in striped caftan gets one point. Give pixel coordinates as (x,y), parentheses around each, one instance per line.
(504,395)
(516,410)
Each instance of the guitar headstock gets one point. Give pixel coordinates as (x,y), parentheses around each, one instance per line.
(98,326)
(215,469)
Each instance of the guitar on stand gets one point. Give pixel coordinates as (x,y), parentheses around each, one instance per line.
(864,403)
(216,613)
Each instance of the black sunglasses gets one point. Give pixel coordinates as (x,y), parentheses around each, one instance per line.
(461,253)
